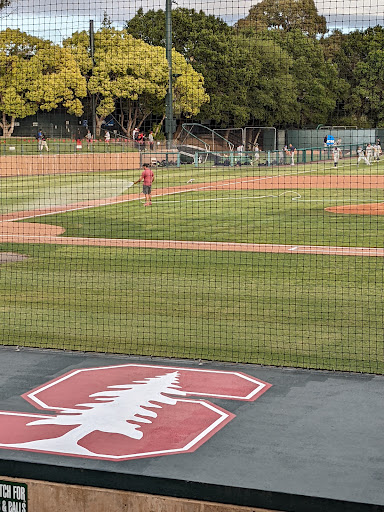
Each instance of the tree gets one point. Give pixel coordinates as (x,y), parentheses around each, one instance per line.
(121,409)
(134,74)
(241,72)
(359,57)
(272,96)
(285,15)
(35,74)
(318,85)
(273,74)
(207,43)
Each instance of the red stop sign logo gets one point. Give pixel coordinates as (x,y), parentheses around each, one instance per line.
(126,411)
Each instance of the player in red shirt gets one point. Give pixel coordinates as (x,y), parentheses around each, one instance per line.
(147,177)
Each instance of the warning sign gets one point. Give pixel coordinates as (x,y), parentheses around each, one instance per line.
(13,497)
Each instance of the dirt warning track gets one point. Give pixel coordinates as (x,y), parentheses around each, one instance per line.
(13,232)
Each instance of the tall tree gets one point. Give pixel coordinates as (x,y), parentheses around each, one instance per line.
(272,97)
(36,74)
(318,84)
(207,44)
(134,74)
(285,15)
(241,72)
(360,59)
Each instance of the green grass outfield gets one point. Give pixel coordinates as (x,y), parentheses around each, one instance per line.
(29,146)
(280,309)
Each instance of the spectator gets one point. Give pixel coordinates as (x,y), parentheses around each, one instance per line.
(150,140)
(141,141)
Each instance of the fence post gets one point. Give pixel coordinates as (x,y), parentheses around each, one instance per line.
(231,159)
(178,160)
(269,158)
(196,159)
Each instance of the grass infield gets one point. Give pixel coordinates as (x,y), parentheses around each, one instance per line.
(277,309)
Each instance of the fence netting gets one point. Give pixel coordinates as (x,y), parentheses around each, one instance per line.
(198,179)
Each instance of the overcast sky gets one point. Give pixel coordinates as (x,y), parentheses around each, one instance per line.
(58,19)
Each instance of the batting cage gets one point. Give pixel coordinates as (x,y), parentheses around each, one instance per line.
(192,201)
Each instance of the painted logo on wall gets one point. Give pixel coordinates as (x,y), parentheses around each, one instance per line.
(126,411)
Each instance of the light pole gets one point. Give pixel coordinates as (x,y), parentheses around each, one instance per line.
(169,122)
(92,49)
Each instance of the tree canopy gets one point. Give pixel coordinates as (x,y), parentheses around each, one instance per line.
(277,76)
(134,75)
(360,58)
(35,74)
(285,15)
(271,69)
(241,73)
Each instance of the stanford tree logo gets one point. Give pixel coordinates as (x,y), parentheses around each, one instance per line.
(126,412)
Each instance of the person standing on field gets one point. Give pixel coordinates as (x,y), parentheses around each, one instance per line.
(257,154)
(147,177)
(376,152)
(42,139)
(336,155)
(369,152)
(292,151)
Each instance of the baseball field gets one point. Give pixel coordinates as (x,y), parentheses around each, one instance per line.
(258,265)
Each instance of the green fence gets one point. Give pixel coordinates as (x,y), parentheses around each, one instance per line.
(266,158)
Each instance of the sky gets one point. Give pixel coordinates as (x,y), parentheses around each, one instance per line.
(56,20)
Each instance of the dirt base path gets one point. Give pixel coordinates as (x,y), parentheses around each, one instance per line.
(12,232)
(358,209)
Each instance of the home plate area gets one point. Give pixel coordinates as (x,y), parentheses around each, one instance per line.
(122,433)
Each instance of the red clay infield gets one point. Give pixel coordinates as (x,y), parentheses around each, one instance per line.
(42,233)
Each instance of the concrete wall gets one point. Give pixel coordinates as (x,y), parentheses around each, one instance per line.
(52,497)
(20,165)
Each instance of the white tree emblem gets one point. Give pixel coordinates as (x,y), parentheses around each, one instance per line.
(121,409)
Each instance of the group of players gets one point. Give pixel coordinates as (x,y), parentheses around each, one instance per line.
(370,154)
